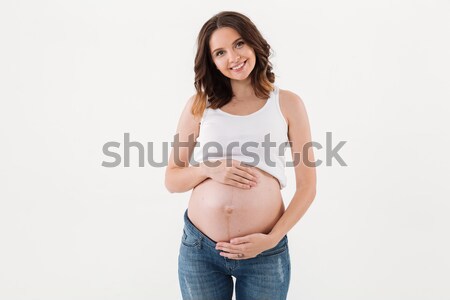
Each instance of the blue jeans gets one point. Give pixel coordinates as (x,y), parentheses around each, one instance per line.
(204,274)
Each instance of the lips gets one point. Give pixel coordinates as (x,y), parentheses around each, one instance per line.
(239,64)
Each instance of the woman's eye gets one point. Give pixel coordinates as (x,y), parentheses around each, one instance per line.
(218,53)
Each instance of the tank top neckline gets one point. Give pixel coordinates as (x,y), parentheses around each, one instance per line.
(272,94)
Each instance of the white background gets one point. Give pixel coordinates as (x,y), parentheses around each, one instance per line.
(75,75)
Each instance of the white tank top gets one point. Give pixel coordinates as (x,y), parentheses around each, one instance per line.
(258,139)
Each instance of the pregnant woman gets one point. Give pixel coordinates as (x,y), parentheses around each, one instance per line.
(229,150)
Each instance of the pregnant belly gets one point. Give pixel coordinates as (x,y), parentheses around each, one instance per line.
(223,212)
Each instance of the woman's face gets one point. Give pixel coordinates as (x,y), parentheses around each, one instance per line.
(229,50)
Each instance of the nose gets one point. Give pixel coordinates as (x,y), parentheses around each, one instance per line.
(235,57)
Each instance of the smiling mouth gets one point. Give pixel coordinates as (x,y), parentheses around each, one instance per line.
(240,66)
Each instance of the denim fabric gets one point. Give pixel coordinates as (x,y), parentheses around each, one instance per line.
(206,275)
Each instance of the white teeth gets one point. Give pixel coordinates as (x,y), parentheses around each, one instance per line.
(238,67)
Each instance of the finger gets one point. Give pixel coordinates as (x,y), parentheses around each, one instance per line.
(232,255)
(247,173)
(242,179)
(240,240)
(236,180)
(249,169)
(237,184)
(232,250)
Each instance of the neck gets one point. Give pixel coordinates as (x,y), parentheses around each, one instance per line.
(242,89)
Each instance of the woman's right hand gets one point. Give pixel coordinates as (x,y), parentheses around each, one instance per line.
(235,174)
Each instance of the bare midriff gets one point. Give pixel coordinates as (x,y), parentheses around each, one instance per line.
(223,212)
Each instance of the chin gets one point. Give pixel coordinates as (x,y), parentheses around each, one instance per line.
(239,79)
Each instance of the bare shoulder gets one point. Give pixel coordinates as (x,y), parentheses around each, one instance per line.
(188,109)
(188,123)
(190,102)
(291,105)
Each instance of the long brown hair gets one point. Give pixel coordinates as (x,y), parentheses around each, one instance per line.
(210,83)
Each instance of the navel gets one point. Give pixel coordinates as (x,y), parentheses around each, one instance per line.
(229,209)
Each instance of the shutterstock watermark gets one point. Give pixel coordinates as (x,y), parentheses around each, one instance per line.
(262,150)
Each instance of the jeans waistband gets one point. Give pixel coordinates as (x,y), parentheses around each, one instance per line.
(188,225)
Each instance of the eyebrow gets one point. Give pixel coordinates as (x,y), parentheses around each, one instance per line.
(232,44)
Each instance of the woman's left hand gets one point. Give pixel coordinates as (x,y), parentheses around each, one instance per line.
(245,247)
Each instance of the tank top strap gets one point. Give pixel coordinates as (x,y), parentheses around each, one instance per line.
(275,95)
(205,112)
(273,100)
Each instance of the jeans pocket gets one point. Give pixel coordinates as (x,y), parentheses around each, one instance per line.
(189,240)
(281,247)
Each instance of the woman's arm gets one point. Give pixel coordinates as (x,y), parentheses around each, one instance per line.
(179,176)
(305,172)
(180,180)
